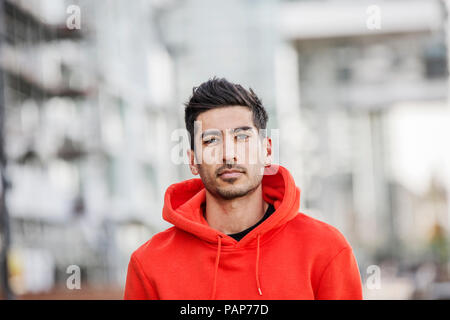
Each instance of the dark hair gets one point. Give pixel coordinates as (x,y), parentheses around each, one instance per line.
(216,93)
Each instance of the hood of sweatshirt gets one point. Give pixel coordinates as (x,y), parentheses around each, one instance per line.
(183,200)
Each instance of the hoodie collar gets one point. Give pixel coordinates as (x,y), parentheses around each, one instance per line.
(182,206)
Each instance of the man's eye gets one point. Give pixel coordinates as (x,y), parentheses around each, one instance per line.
(242,136)
(211,140)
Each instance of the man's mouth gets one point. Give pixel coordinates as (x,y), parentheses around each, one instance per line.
(226,174)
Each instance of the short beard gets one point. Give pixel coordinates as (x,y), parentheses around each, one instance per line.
(235,193)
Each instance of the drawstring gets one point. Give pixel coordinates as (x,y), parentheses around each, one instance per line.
(216,265)
(257,268)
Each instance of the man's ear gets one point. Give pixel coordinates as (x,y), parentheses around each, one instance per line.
(267,152)
(192,165)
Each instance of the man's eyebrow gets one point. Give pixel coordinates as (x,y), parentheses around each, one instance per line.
(218,132)
(243,128)
(211,131)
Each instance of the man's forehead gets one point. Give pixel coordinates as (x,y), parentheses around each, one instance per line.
(230,113)
(225,119)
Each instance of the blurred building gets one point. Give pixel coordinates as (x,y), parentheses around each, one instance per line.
(372,98)
(87,133)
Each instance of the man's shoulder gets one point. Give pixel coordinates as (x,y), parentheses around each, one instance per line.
(157,242)
(316,231)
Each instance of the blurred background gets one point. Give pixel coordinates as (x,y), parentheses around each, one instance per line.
(91,93)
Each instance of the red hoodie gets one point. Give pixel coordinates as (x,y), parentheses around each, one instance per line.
(288,256)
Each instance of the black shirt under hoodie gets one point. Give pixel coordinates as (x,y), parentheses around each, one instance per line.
(238,236)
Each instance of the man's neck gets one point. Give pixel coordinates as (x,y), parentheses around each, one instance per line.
(236,215)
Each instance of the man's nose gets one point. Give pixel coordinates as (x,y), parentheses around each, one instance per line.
(229,152)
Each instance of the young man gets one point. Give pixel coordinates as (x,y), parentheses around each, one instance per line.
(237,232)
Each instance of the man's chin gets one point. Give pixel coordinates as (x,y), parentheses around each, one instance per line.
(233,192)
(231,195)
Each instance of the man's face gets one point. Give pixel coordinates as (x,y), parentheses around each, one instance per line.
(230,154)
